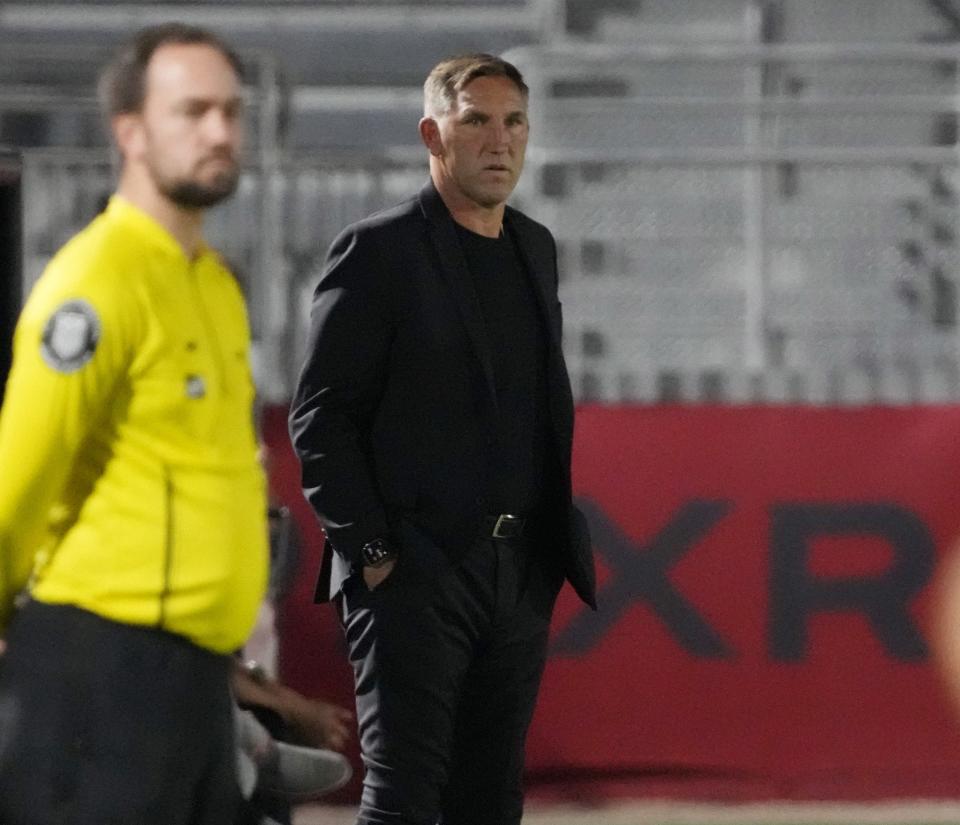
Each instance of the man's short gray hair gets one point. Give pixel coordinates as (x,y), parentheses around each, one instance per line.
(450,76)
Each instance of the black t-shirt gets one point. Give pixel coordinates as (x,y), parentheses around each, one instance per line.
(518,348)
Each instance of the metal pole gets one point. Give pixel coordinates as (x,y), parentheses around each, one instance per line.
(755,254)
(270,286)
(956,149)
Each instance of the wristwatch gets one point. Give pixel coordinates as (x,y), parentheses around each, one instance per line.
(378,552)
(255,671)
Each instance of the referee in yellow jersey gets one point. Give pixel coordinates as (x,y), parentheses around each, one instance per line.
(133,541)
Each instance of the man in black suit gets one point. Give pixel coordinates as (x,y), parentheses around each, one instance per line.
(434,422)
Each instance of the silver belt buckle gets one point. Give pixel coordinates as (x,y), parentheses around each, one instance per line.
(505,519)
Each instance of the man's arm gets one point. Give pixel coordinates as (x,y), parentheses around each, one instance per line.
(339,391)
(311,722)
(72,342)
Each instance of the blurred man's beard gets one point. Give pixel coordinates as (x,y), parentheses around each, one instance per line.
(191,194)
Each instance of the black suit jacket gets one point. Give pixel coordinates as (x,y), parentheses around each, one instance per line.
(395,405)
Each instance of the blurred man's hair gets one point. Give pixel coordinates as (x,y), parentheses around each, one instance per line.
(122,87)
(450,76)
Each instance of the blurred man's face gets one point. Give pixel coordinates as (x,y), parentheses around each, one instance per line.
(190,131)
(481,142)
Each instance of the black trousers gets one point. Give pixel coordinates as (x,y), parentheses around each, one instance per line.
(447,669)
(103,723)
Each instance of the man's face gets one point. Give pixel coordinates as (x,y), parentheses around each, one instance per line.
(480,143)
(189,133)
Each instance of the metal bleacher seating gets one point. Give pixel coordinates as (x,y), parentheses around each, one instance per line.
(746,211)
(859,21)
(649,182)
(352,70)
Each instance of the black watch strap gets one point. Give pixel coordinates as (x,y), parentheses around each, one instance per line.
(377,552)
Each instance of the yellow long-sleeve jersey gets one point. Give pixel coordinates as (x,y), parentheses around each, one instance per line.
(129,479)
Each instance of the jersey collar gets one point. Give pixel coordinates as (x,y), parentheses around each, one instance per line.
(120,209)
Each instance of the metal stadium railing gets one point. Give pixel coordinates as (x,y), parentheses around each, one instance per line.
(736,223)
(748,223)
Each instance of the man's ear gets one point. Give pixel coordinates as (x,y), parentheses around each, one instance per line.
(430,135)
(128,133)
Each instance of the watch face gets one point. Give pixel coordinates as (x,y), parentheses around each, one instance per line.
(372,551)
(376,551)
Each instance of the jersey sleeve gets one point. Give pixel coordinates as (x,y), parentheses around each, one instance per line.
(74,342)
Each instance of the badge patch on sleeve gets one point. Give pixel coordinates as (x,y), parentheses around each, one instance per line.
(196,387)
(70,336)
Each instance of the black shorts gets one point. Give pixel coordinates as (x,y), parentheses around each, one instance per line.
(103,723)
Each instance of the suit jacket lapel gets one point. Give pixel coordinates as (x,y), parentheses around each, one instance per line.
(453,267)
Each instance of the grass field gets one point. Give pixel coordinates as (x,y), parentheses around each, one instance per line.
(661,812)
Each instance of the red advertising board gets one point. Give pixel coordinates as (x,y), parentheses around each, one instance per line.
(765,579)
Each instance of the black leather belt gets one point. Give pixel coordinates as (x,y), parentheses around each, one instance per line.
(503,526)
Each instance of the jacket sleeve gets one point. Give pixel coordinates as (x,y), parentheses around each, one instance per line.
(339,391)
(72,342)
